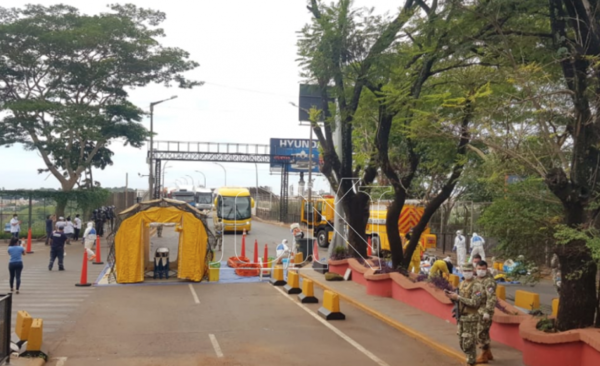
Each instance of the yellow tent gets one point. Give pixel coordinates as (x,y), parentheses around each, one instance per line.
(130,252)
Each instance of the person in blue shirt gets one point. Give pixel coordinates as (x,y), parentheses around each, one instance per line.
(15,264)
(57,248)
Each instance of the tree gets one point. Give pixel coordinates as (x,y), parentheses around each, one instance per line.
(547,119)
(64,78)
(339,50)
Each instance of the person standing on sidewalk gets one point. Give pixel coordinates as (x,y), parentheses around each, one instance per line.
(69,230)
(486,311)
(49,228)
(477,244)
(77,224)
(15,265)
(57,248)
(89,239)
(469,302)
(460,246)
(15,226)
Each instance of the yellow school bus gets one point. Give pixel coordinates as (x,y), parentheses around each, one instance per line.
(233,208)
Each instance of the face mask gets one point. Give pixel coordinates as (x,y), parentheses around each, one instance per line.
(468,275)
(481,272)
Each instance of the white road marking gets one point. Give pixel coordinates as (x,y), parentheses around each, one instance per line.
(342,335)
(60,361)
(216,346)
(196,300)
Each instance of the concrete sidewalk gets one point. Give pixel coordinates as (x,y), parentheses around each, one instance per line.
(433,331)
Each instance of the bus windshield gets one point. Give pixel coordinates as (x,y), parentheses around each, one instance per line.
(185,197)
(204,198)
(234,208)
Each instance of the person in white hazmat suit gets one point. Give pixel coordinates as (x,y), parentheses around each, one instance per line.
(477,243)
(89,239)
(460,246)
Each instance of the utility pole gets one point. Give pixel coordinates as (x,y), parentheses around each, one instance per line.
(151,147)
(311,228)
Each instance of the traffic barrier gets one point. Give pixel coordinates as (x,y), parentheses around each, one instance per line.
(98,253)
(308,292)
(293,283)
(369,247)
(29,251)
(554,307)
(255,251)
(83,282)
(298,258)
(315,251)
(331,306)
(501,292)
(244,244)
(23,325)
(34,343)
(277,276)
(527,300)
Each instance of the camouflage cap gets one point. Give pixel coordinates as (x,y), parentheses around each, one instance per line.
(467,267)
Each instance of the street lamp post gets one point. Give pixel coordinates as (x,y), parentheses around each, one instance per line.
(197,171)
(224,171)
(185,179)
(151,175)
(193,184)
(163,175)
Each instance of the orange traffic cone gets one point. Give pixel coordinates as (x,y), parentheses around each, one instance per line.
(266,256)
(29,251)
(244,244)
(369,247)
(98,255)
(255,251)
(83,281)
(315,251)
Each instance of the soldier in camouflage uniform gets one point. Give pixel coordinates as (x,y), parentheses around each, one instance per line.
(469,301)
(486,311)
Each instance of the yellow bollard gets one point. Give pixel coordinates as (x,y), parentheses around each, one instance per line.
(298,258)
(293,283)
(454,280)
(213,274)
(277,276)
(555,307)
(331,306)
(23,325)
(34,343)
(527,300)
(501,292)
(308,292)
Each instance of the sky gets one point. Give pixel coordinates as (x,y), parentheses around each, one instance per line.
(247,55)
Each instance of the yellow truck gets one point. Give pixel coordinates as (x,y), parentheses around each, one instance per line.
(322,222)
(233,207)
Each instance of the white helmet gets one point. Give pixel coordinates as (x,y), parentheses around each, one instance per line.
(458,232)
(284,241)
(475,234)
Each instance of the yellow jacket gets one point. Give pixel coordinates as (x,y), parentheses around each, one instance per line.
(416,257)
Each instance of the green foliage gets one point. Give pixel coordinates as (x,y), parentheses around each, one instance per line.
(565,235)
(523,217)
(65,78)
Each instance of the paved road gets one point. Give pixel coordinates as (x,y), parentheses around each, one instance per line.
(50,295)
(250,324)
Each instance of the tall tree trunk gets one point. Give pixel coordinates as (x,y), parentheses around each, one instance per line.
(61,203)
(357,214)
(578,300)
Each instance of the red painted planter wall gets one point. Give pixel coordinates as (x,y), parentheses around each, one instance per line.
(341,269)
(422,300)
(381,288)
(507,334)
(562,354)
(358,277)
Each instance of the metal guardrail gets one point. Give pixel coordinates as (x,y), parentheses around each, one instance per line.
(5,327)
